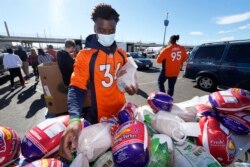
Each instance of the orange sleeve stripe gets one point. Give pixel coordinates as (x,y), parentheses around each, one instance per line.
(80,76)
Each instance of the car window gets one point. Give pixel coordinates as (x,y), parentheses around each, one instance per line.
(135,55)
(239,53)
(209,53)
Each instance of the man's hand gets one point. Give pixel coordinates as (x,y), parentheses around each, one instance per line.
(69,140)
(131,90)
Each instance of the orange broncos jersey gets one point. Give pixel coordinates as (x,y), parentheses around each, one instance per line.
(95,68)
(173,55)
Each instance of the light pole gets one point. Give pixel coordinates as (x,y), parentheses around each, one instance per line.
(166,22)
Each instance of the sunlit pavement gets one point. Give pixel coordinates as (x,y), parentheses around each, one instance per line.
(25,107)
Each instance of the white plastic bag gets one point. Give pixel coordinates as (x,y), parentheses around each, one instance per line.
(187,113)
(127,75)
(169,124)
(93,141)
(175,127)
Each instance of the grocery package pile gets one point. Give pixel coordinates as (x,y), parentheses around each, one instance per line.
(204,131)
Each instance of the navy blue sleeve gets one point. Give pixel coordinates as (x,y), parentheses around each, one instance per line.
(75,101)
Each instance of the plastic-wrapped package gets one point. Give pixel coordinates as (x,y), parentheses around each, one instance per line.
(131,145)
(160,101)
(217,139)
(145,114)
(43,139)
(9,145)
(173,126)
(93,141)
(190,155)
(127,113)
(106,160)
(169,124)
(127,75)
(188,114)
(231,100)
(50,162)
(162,151)
(238,122)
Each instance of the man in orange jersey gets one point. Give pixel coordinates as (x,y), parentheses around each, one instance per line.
(171,58)
(95,68)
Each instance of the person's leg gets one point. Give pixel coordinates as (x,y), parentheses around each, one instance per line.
(161,80)
(37,72)
(26,69)
(171,84)
(12,76)
(19,73)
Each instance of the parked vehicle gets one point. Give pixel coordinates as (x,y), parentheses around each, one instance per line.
(153,52)
(141,61)
(2,70)
(220,64)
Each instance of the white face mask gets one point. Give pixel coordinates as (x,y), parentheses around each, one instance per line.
(106,40)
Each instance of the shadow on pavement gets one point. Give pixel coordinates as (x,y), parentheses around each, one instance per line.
(6,99)
(27,93)
(151,70)
(4,79)
(36,105)
(142,93)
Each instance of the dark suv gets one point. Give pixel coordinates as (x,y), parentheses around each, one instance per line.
(2,70)
(220,64)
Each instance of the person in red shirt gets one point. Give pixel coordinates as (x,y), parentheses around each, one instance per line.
(96,69)
(171,58)
(52,52)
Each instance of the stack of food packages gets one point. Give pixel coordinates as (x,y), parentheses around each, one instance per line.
(200,132)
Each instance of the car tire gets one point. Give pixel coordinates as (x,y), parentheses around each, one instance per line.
(207,83)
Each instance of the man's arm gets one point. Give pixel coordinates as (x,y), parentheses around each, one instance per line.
(75,101)
(162,56)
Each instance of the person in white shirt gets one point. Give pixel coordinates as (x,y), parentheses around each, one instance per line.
(13,63)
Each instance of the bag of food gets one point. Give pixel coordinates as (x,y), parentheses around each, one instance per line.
(217,139)
(188,114)
(44,139)
(127,113)
(145,114)
(9,145)
(190,155)
(131,145)
(162,151)
(127,75)
(93,141)
(50,162)
(173,126)
(160,101)
(231,100)
(106,160)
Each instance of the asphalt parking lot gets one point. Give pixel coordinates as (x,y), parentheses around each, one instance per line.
(25,107)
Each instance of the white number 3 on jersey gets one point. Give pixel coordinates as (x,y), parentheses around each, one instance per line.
(107,74)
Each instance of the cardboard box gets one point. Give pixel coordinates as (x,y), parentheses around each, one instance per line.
(55,92)
(52,83)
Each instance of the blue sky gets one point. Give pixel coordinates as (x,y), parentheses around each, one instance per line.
(196,21)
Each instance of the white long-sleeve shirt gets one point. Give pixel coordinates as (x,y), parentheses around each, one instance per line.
(11,61)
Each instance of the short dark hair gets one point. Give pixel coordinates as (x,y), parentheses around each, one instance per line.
(69,43)
(174,38)
(105,11)
(41,51)
(9,50)
(50,46)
